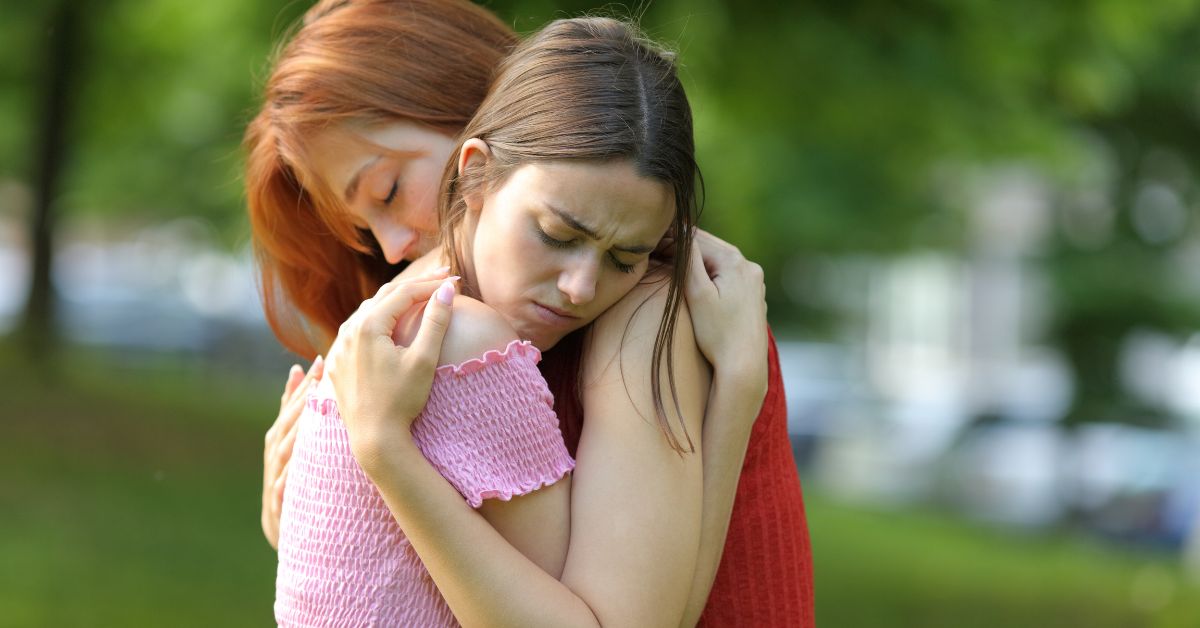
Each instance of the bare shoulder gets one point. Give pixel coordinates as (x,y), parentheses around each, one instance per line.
(475,328)
(619,358)
(634,321)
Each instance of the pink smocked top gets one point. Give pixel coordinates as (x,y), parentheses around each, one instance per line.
(489,428)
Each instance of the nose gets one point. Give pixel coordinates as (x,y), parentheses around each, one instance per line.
(395,240)
(578,280)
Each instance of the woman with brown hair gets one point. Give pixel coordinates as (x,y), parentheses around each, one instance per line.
(327,206)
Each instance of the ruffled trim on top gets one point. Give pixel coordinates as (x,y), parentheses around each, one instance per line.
(323,403)
(522,348)
(561,466)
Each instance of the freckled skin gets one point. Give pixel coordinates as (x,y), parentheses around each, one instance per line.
(399,167)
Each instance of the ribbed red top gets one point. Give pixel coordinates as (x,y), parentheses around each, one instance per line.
(765,578)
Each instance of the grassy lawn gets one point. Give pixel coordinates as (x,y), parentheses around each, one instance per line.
(130,497)
(905,568)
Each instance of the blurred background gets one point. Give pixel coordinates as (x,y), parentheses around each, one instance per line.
(977,219)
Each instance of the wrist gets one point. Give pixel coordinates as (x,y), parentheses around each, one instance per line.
(743,385)
(383,454)
(735,401)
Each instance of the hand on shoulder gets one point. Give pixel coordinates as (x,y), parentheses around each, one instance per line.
(381,387)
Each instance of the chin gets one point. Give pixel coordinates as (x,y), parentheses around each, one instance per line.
(544,337)
(540,339)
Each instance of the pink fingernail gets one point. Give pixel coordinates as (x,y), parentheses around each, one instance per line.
(441,270)
(445,292)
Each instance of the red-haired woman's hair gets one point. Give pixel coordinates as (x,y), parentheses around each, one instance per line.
(361,61)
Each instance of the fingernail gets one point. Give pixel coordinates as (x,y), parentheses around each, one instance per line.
(453,278)
(445,292)
(317,361)
(441,270)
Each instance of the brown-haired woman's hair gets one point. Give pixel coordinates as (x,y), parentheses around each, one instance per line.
(357,61)
(589,89)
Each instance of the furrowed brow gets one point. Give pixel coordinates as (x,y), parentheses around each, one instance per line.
(574,223)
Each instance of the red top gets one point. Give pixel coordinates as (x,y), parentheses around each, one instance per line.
(765,578)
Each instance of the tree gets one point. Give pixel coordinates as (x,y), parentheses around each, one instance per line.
(61,56)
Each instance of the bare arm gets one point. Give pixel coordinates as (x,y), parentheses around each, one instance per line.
(635,507)
(723,460)
(537,523)
(636,511)
(726,295)
(483,577)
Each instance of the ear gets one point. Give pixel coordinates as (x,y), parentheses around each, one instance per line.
(473,156)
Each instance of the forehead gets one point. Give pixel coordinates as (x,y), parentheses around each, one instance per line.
(609,197)
(336,152)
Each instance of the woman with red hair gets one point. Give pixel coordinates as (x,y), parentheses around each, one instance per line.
(344,163)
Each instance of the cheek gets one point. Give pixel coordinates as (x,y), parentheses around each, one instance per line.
(512,264)
(420,195)
(496,260)
(423,217)
(615,286)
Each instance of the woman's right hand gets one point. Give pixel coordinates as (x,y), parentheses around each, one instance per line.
(380,385)
(278,449)
(727,299)
(416,373)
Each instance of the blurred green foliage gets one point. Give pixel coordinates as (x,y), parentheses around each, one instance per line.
(819,124)
(163,92)
(824,129)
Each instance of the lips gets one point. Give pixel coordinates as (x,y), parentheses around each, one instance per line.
(554,316)
(562,313)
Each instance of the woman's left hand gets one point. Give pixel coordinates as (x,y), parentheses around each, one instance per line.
(381,387)
(727,299)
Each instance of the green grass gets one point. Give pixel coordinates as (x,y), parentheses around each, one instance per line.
(906,568)
(130,497)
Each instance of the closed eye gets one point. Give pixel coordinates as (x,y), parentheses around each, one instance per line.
(391,196)
(621,266)
(552,242)
(564,244)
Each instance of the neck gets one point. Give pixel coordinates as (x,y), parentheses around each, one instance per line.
(463,237)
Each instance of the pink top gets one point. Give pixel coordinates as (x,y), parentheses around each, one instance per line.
(489,428)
